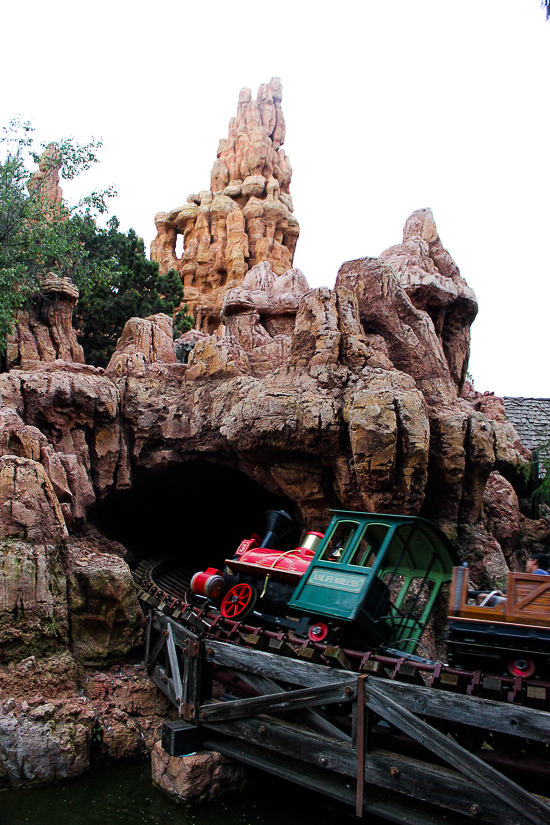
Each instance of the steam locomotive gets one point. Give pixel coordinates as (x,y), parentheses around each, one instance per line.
(371,581)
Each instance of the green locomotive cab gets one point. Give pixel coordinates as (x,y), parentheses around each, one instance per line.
(377,576)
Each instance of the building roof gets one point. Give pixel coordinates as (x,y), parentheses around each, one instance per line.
(531,418)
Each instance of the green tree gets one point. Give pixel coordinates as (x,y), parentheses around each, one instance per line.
(39,234)
(541,496)
(134,289)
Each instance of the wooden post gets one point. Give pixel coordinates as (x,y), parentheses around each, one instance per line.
(360,736)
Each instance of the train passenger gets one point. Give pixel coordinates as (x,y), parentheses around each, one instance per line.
(539,564)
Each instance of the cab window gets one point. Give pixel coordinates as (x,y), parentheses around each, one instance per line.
(339,541)
(368,547)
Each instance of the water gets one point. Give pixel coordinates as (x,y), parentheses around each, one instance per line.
(123,794)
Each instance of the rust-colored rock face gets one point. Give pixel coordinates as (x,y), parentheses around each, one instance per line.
(244,218)
(52,729)
(432,281)
(45,181)
(45,333)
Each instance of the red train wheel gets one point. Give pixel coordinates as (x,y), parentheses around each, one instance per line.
(238,601)
(319,632)
(522,667)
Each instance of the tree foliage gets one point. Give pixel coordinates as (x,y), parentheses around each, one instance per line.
(37,235)
(40,233)
(540,499)
(134,289)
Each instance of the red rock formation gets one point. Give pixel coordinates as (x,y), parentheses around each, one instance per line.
(45,181)
(433,283)
(45,332)
(244,218)
(52,729)
(105,618)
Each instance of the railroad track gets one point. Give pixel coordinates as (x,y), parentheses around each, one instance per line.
(163,585)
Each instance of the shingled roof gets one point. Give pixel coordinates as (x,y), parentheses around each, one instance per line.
(531,418)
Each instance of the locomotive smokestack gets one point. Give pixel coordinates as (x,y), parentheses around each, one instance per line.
(279,523)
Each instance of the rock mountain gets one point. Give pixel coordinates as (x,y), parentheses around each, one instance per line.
(352,397)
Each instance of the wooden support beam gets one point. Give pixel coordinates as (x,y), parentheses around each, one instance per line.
(292,671)
(174,667)
(160,643)
(511,795)
(360,738)
(192,662)
(279,702)
(162,681)
(310,719)
(471,710)
(180,633)
(399,774)
(148,638)
(378,802)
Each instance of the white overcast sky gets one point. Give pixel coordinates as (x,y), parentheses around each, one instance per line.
(390,106)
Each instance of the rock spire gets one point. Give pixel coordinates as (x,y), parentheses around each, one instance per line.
(243,219)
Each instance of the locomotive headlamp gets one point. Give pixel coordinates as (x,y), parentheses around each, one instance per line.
(209,583)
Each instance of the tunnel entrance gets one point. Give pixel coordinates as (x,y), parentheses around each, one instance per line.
(199,510)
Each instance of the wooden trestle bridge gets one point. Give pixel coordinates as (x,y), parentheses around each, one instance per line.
(393,747)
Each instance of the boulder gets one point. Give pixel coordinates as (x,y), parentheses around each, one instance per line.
(198,777)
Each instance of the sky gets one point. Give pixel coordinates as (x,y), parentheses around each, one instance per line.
(389,107)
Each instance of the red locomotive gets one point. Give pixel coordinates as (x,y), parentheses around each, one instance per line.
(373,579)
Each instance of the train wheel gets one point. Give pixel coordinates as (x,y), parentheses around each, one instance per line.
(319,632)
(522,667)
(238,602)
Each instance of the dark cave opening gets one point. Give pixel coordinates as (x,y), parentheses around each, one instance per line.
(199,510)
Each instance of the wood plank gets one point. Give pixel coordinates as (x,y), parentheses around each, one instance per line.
(282,648)
(391,806)
(292,671)
(191,684)
(307,717)
(412,777)
(511,795)
(522,592)
(337,658)
(279,702)
(160,679)
(360,722)
(161,641)
(148,636)
(174,666)
(470,710)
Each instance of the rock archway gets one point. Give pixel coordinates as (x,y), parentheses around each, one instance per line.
(198,510)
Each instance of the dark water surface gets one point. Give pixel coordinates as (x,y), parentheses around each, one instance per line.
(123,794)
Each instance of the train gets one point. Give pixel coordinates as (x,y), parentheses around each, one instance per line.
(371,581)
